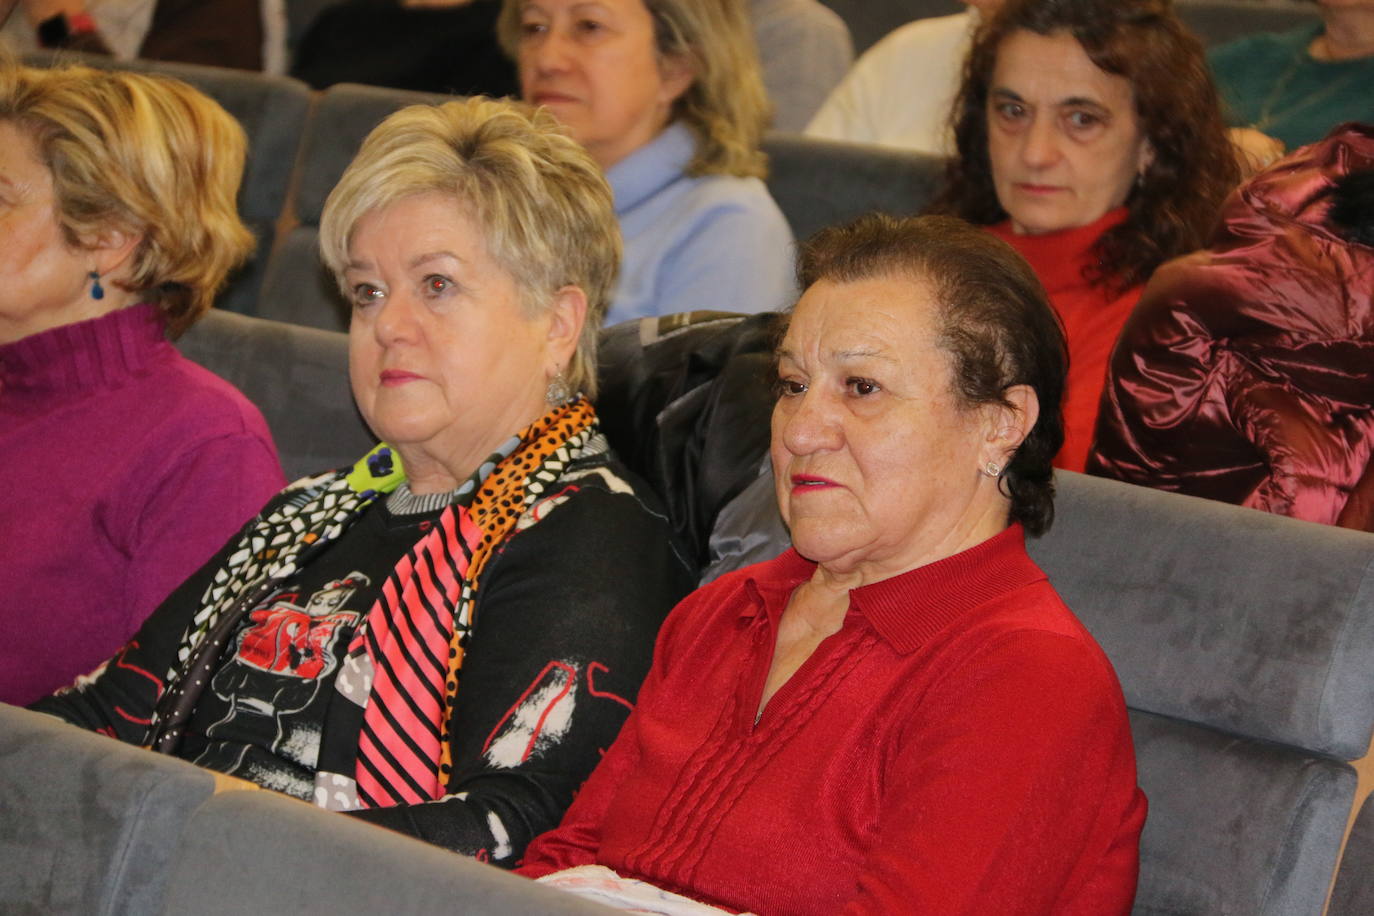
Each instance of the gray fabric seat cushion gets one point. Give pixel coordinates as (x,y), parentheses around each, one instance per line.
(87,825)
(297,377)
(818,183)
(295,286)
(1235,826)
(297,289)
(259,852)
(1353,894)
(1229,617)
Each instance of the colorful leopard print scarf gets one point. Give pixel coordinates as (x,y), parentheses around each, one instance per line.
(414,653)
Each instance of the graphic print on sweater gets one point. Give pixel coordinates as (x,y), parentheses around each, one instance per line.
(283,657)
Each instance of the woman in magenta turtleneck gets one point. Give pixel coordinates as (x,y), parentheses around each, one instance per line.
(1091,140)
(125,466)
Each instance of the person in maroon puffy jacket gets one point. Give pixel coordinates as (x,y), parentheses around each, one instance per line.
(1245,373)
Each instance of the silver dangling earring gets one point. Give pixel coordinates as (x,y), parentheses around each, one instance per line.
(97,291)
(992,469)
(558,393)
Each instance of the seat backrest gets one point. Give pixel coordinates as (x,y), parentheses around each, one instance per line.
(870,20)
(296,287)
(1213,21)
(1219,21)
(821,182)
(87,825)
(1353,894)
(260,852)
(1239,620)
(272,111)
(1245,645)
(297,377)
(1235,826)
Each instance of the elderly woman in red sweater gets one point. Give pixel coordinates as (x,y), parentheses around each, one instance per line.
(1090,139)
(902,695)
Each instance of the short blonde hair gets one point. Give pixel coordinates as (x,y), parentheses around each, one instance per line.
(539,200)
(143,154)
(726,106)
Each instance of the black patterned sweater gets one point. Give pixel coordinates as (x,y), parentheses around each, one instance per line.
(563,633)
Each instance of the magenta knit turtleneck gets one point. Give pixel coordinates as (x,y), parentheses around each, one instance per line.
(125,466)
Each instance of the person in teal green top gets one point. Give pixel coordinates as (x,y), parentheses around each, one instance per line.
(1289,89)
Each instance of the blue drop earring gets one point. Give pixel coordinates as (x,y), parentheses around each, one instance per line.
(97,291)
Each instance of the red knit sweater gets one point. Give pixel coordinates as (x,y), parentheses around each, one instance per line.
(959,746)
(1092,316)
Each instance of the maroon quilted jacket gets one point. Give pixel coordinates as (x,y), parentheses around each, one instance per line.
(1246,372)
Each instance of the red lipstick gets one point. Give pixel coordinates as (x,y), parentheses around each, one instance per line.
(393,377)
(809,483)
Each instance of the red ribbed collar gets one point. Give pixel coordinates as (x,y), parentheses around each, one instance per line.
(87,355)
(1058,258)
(908,609)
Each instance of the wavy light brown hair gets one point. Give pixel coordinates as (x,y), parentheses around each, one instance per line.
(147,155)
(1174,206)
(726,107)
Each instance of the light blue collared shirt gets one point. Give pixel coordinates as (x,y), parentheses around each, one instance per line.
(716,242)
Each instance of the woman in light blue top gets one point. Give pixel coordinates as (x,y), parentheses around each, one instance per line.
(666,95)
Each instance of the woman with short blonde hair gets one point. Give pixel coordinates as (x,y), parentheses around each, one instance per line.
(668,98)
(544,207)
(126,465)
(443,637)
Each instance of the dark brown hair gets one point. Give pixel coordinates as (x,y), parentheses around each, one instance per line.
(994,321)
(1175,205)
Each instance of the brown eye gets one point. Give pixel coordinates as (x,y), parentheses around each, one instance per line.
(365,294)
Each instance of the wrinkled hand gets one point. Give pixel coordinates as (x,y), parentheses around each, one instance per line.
(1255,151)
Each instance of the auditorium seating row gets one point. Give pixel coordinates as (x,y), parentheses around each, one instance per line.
(1215,21)
(1244,642)
(301,141)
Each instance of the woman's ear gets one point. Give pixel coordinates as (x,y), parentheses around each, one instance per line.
(677,73)
(1145,158)
(1009,424)
(112,248)
(567,314)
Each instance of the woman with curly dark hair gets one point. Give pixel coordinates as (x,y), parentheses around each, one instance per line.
(1090,138)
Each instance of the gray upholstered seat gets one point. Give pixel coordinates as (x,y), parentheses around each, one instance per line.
(259,852)
(297,377)
(296,287)
(1245,646)
(820,182)
(272,110)
(1354,891)
(870,20)
(87,825)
